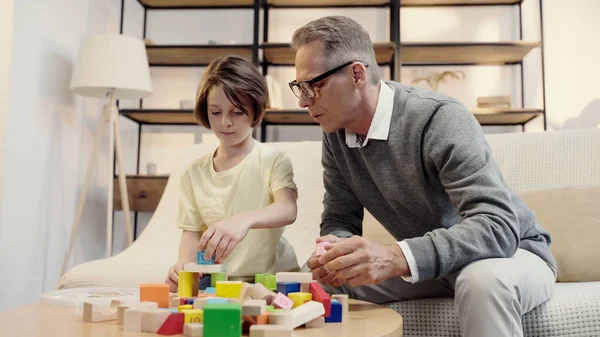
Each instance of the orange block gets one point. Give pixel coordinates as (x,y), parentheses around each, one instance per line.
(263,318)
(158,293)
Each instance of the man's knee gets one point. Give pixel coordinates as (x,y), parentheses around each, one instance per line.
(481,280)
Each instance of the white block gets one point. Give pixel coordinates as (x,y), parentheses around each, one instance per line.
(293,277)
(318,322)
(153,319)
(281,318)
(254,307)
(306,313)
(270,330)
(132,318)
(343,299)
(193,330)
(205,268)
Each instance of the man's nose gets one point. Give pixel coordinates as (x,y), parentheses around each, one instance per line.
(304,101)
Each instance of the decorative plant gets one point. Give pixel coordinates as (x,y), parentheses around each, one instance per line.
(434,79)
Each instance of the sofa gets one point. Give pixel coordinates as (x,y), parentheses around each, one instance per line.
(556,173)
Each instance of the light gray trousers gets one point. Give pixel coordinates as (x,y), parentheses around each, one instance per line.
(490,296)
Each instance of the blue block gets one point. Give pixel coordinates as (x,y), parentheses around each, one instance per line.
(288,287)
(336,312)
(200,259)
(217,301)
(190,301)
(210,290)
(174,310)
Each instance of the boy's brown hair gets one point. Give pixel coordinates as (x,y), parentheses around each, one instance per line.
(242,83)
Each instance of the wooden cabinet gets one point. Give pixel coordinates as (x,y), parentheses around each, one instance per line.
(144,192)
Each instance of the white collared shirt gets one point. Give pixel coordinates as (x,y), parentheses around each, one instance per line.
(380,129)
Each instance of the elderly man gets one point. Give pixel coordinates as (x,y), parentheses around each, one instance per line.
(418,161)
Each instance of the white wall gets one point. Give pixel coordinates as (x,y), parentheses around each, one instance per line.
(48,140)
(6,28)
(571,55)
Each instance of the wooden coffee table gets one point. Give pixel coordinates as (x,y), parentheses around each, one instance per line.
(42,320)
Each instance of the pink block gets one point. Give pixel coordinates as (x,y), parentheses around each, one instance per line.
(321,248)
(282,302)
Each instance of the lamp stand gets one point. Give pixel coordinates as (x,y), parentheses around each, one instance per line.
(112,119)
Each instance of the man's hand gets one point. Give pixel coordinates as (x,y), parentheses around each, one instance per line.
(319,273)
(357,261)
(221,238)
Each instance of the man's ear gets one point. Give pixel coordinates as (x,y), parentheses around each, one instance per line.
(359,73)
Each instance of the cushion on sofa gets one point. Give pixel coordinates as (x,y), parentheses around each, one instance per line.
(572,216)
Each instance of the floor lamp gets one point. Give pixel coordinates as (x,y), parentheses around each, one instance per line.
(115,67)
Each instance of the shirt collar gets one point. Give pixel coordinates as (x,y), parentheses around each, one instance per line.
(380,125)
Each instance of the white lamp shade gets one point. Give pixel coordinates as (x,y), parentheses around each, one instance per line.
(111,61)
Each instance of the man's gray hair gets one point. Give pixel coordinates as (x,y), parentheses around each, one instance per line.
(344,40)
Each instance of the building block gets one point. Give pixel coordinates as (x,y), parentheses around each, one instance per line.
(220,276)
(210,290)
(244,291)
(318,322)
(199,303)
(299,298)
(253,307)
(132,316)
(306,313)
(173,325)
(343,299)
(95,313)
(229,289)
(336,312)
(153,319)
(271,331)
(205,268)
(158,293)
(263,318)
(194,315)
(258,291)
(294,277)
(121,313)
(260,278)
(200,258)
(185,307)
(205,284)
(193,330)
(304,287)
(174,310)
(233,300)
(175,301)
(321,248)
(282,302)
(288,287)
(216,300)
(190,300)
(271,282)
(281,318)
(320,295)
(188,284)
(222,320)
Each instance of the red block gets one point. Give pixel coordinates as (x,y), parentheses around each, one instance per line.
(173,325)
(320,295)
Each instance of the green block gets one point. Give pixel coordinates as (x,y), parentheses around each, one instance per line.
(271,282)
(217,277)
(223,320)
(260,278)
(272,309)
(269,308)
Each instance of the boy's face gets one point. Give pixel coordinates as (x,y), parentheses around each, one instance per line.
(231,125)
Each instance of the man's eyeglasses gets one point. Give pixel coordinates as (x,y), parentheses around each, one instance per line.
(306,87)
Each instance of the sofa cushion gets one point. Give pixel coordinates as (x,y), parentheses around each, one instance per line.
(572,311)
(572,216)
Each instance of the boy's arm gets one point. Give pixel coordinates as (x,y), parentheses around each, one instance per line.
(281,212)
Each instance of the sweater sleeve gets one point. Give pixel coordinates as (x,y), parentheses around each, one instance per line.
(455,150)
(343,213)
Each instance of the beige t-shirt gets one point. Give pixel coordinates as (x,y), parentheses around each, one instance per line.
(207,196)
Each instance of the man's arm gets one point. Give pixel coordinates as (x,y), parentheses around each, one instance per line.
(455,148)
(343,213)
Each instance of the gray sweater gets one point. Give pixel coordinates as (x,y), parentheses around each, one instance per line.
(433,183)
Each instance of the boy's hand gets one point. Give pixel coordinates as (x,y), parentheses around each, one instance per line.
(221,238)
(172,278)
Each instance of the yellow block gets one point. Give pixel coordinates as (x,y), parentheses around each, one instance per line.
(299,298)
(229,289)
(188,284)
(181,308)
(194,315)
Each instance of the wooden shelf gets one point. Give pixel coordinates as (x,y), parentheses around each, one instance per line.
(199,55)
(282,53)
(513,116)
(328,3)
(144,192)
(160,116)
(426,3)
(465,53)
(158,4)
